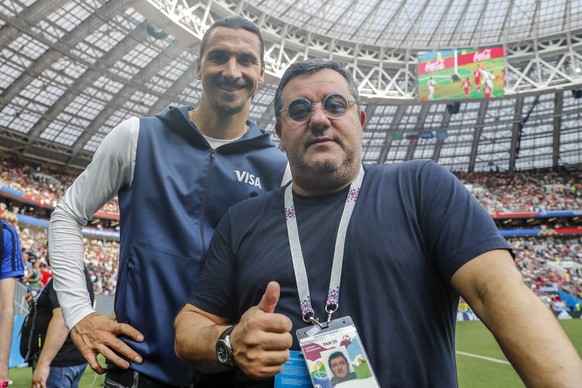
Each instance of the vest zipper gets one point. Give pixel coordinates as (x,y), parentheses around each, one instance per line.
(204,199)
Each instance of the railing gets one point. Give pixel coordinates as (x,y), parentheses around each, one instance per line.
(103,303)
(20,303)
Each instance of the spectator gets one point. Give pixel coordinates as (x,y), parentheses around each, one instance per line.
(11,267)
(45,272)
(33,277)
(59,364)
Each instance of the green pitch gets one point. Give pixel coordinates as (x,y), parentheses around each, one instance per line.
(474,340)
(480,365)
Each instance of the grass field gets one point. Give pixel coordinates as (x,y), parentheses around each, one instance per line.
(481,364)
(473,338)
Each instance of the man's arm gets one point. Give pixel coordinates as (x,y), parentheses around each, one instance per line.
(527,331)
(26,276)
(55,338)
(111,169)
(260,341)
(6,322)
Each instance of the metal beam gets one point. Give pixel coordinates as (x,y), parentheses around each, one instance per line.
(439,144)
(415,23)
(441,21)
(425,108)
(125,93)
(558,105)
(393,128)
(108,60)
(477,134)
(174,91)
(33,14)
(70,40)
(515,133)
(390,67)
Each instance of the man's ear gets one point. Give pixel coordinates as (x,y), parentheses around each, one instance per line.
(262,75)
(278,131)
(261,80)
(363,118)
(198,75)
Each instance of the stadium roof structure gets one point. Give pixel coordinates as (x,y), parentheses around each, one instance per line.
(70,70)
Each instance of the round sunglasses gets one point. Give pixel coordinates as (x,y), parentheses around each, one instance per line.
(334,105)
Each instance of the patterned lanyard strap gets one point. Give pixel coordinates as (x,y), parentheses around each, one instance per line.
(331,304)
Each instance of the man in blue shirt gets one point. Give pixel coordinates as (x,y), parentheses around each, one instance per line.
(404,242)
(11,267)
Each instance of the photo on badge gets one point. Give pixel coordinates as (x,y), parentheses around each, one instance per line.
(335,357)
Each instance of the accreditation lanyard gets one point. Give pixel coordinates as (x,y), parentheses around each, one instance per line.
(331,304)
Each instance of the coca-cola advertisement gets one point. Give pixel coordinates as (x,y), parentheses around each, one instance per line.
(465,74)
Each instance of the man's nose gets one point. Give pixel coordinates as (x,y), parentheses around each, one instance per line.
(231,68)
(318,118)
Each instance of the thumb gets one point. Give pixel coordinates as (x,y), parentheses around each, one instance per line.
(270,297)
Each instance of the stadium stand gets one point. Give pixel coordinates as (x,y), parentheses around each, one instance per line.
(548,247)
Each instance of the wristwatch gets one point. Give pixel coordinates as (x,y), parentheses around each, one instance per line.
(224,352)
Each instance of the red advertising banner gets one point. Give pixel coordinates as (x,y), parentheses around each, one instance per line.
(462,60)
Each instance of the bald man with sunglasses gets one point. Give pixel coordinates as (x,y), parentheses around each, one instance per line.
(391,246)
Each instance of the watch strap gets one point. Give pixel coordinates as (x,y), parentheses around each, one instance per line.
(226,332)
(223,344)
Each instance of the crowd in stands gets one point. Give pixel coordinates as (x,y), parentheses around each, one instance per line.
(540,259)
(33,182)
(498,192)
(46,188)
(531,191)
(549,263)
(101,259)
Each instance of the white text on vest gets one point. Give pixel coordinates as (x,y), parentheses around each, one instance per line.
(246,177)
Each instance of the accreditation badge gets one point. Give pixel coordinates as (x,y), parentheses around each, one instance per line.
(294,374)
(335,356)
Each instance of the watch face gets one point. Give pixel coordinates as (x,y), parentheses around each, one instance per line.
(222,352)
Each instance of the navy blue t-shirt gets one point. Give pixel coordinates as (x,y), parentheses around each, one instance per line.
(413,227)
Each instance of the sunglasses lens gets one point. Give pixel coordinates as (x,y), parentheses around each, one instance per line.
(300,109)
(335,105)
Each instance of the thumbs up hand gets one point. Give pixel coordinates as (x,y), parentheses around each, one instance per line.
(262,338)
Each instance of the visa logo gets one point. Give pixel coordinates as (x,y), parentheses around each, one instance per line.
(246,177)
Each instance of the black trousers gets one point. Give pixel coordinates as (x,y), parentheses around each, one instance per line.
(129,378)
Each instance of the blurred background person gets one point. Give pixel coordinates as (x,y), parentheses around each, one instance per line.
(55,361)
(11,267)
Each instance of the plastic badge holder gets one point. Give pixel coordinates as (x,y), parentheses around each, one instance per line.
(339,336)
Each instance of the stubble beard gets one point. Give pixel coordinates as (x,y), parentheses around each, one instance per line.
(226,107)
(323,175)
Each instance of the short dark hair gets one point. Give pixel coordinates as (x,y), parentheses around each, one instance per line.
(310,66)
(335,355)
(235,22)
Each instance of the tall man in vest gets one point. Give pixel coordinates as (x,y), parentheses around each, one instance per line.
(391,246)
(175,174)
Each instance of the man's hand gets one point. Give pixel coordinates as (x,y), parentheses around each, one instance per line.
(40,376)
(261,340)
(97,333)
